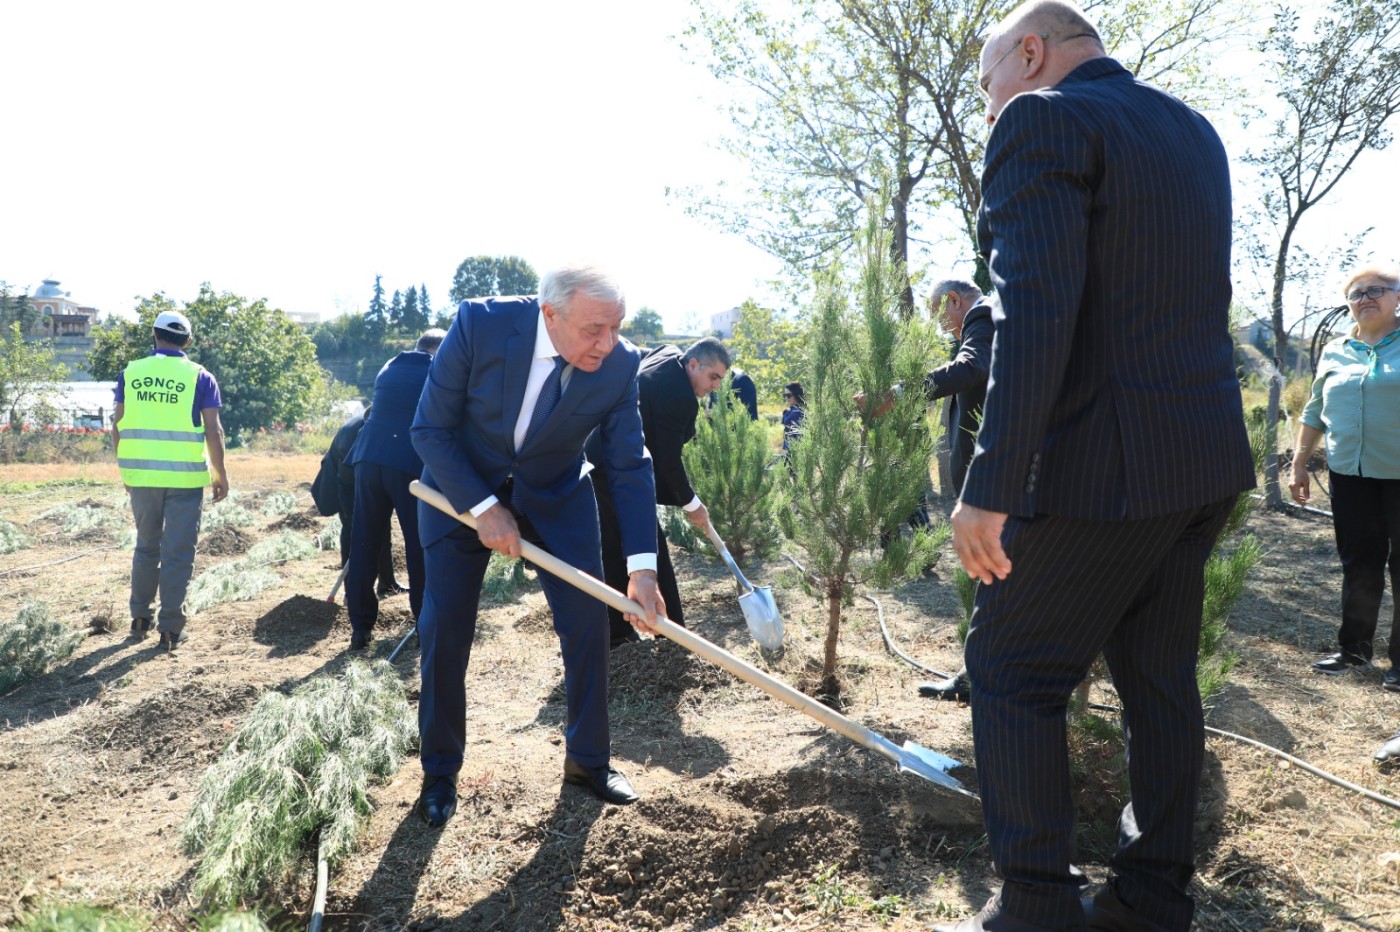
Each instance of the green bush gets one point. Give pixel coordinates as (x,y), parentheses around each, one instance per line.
(242,579)
(74,518)
(227,513)
(504,578)
(32,643)
(328,538)
(278,504)
(299,765)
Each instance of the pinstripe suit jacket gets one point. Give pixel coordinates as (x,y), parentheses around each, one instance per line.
(1106,222)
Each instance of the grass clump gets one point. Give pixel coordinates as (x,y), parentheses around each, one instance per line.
(299,765)
(11,538)
(79,518)
(278,503)
(78,917)
(328,538)
(24,487)
(33,642)
(242,579)
(280,549)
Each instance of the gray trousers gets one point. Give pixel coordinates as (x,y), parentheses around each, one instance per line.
(167,528)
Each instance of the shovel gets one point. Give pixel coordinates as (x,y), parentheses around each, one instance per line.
(910,758)
(338,580)
(760,611)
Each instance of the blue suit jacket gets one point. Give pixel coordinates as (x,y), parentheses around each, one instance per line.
(1106,221)
(385,437)
(465,426)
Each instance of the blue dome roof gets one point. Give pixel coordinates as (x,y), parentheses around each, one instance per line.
(49,289)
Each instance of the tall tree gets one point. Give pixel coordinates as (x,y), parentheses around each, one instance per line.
(377,317)
(644,327)
(396,310)
(425,304)
(485,276)
(414,319)
(768,346)
(29,373)
(830,89)
(1338,91)
(17,308)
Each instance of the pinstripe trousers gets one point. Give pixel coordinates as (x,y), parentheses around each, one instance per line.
(1131,589)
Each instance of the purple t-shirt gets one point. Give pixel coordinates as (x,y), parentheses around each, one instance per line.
(206,390)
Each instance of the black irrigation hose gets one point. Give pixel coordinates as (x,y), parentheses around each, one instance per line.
(1297,762)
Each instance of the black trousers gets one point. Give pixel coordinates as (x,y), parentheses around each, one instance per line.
(347,521)
(1133,590)
(615,568)
(380,493)
(1366,519)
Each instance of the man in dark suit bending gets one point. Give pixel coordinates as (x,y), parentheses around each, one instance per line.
(670,386)
(1111,449)
(514,392)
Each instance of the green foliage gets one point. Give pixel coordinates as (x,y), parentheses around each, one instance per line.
(299,765)
(79,917)
(377,317)
(78,518)
(487,276)
(769,348)
(644,327)
(32,643)
(678,529)
(11,538)
(226,513)
(226,582)
(1225,578)
(233,922)
(265,364)
(828,894)
(280,549)
(29,376)
(25,487)
(278,503)
(731,467)
(328,538)
(504,578)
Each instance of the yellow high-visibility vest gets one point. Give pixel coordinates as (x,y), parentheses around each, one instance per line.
(159,445)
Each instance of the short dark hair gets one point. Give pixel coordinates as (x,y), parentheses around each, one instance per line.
(708,350)
(431,340)
(170,336)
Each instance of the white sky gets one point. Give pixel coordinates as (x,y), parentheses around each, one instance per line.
(291,150)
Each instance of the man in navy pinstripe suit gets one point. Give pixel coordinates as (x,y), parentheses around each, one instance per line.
(1112,446)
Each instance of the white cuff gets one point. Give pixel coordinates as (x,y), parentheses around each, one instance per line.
(641,561)
(691,505)
(485,504)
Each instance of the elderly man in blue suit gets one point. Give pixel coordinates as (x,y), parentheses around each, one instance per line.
(516,389)
(1111,449)
(384,463)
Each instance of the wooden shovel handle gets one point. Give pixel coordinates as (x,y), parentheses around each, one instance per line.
(682,636)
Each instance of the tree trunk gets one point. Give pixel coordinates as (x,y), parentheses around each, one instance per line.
(1273,495)
(835,592)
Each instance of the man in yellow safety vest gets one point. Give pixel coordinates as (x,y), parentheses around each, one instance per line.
(167,421)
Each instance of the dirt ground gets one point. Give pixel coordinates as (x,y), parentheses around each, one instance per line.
(753,816)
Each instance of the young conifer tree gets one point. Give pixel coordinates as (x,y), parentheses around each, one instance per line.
(731,464)
(855,473)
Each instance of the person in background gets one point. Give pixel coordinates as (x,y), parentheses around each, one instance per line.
(963,380)
(793,414)
(384,464)
(1355,404)
(170,445)
(670,385)
(747,393)
(333,491)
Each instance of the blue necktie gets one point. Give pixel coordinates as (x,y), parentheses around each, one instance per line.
(544,405)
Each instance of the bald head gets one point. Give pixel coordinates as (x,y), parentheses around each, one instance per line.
(1034,47)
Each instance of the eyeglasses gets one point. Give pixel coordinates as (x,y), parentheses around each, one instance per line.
(1044,37)
(1374,292)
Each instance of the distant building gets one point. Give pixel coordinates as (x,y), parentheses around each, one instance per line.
(58,314)
(722,324)
(303,318)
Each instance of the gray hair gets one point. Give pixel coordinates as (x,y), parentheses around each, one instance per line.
(559,286)
(431,340)
(963,288)
(709,351)
(1057,20)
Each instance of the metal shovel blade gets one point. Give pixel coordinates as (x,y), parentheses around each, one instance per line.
(761,615)
(932,766)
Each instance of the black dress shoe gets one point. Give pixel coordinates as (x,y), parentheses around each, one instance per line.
(604,782)
(1106,912)
(990,919)
(359,640)
(437,800)
(387,589)
(956,688)
(1391,681)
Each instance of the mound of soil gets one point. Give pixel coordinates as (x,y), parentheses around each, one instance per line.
(295,521)
(168,724)
(296,624)
(226,541)
(660,668)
